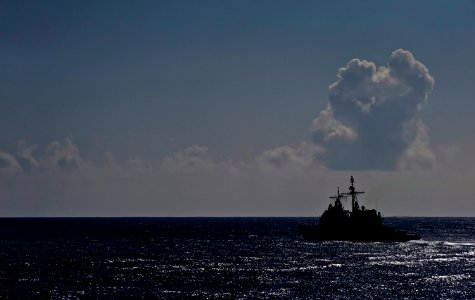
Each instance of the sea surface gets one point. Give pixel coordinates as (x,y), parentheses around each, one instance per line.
(215,258)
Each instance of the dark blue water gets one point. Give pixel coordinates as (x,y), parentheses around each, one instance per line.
(230,258)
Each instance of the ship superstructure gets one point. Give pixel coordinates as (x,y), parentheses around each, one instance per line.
(359,224)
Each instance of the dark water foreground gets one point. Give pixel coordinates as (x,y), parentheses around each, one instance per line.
(229,258)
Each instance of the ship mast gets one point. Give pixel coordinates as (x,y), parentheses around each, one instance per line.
(354,196)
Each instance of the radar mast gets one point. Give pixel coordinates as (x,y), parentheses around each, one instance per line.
(354,196)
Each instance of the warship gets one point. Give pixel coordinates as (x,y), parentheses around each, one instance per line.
(358,225)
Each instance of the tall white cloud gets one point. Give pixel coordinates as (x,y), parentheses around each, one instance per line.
(365,124)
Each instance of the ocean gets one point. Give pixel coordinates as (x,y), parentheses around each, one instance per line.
(229,258)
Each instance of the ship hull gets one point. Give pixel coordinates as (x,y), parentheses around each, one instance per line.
(354,234)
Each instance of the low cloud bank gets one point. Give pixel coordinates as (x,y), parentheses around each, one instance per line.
(57,180)
(285,181)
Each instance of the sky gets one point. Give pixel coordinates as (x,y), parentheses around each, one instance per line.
(236,108)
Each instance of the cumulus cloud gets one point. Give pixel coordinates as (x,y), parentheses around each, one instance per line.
(9,163)
(417,155)
(192,158)
(330,128)
(64,155)
(289,158)
(369,120)
(58,155)
(26,158)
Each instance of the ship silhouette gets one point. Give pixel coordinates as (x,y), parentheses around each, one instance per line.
(358,225)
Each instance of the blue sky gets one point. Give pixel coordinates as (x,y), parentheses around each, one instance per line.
(141,82)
